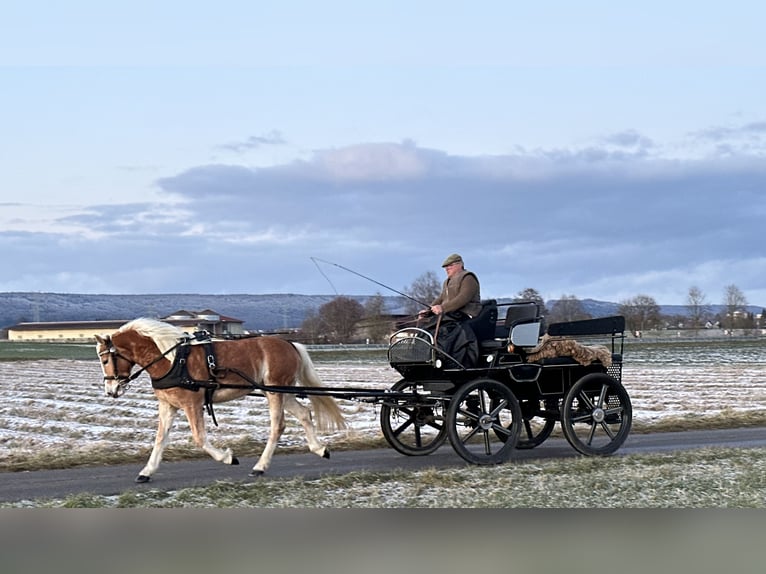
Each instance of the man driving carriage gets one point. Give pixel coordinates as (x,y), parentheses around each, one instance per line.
(459,301)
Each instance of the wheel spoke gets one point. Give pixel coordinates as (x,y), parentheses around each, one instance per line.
(483,406)
(582,417)
(501,430)
(469,436)
(418,436)
(487,443)
(469,415)
(591,434)
(528,428)
(607,430)
(494,414)
(404,426)
(602,396)
(585,399)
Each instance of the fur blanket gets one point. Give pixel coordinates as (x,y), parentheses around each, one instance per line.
(550,347)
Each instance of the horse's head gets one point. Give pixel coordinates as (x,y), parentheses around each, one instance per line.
(115,367)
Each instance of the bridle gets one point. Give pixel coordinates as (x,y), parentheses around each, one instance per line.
(123,381)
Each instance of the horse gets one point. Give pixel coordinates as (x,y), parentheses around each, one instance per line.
(192,373)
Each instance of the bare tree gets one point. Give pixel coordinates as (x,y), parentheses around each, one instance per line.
(567,308)
(736,306)
(641,313)
(424,289)
(311,328)
(529,294)
(698,308)
(337,319)
(377,325)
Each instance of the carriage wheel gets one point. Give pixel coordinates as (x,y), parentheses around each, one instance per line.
(538,422)
(596,415)
(413,429)
(479,413)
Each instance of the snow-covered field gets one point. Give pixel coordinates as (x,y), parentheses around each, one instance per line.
(60,403)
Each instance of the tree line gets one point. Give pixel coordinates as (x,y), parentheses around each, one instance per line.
(345,320)
(642,313)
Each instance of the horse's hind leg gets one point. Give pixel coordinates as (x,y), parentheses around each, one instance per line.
(167,415)
(277,418)
(303,414)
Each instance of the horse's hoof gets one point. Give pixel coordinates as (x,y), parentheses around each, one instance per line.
(326,453)
(141,478)
(255,473)
(234,461)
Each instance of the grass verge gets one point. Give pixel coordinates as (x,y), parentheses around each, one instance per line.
(705,478)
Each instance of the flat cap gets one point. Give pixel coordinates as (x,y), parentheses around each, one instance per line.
(454,258)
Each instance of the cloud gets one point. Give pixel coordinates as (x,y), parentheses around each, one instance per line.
(632,140)
(273,138)
(747,139)
(750,130)
(606,221)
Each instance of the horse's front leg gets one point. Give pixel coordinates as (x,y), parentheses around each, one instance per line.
(167,414)
(277,417)
(195,414)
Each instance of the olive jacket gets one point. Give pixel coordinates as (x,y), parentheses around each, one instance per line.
(460,293)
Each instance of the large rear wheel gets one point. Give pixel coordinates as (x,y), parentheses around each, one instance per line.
(596,415)
(484,421)
(413,427)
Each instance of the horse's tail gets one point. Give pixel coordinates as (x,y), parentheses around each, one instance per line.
(326,410)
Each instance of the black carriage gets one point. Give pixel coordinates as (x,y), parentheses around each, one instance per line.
(515,393)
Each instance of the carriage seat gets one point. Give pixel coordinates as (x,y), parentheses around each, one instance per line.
(483,324)
(522,327)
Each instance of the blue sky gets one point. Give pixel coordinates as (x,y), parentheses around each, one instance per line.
(595,149)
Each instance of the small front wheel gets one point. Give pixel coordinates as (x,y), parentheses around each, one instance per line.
(414,428)
(596,415)
(484,422)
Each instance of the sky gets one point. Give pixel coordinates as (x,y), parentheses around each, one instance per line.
(594,149)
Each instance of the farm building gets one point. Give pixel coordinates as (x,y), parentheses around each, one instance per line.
(77,331)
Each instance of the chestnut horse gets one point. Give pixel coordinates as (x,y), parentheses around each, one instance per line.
(214,371)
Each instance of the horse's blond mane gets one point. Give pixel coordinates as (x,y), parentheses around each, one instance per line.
(164,335)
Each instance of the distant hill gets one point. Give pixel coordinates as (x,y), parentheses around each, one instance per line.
(606,308)
(264,312)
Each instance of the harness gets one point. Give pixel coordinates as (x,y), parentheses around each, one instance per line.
(178,375)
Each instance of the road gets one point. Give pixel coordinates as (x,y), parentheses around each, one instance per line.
(113,480)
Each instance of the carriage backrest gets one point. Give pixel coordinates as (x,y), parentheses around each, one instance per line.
(483,324)
(516,313)
(601,326)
